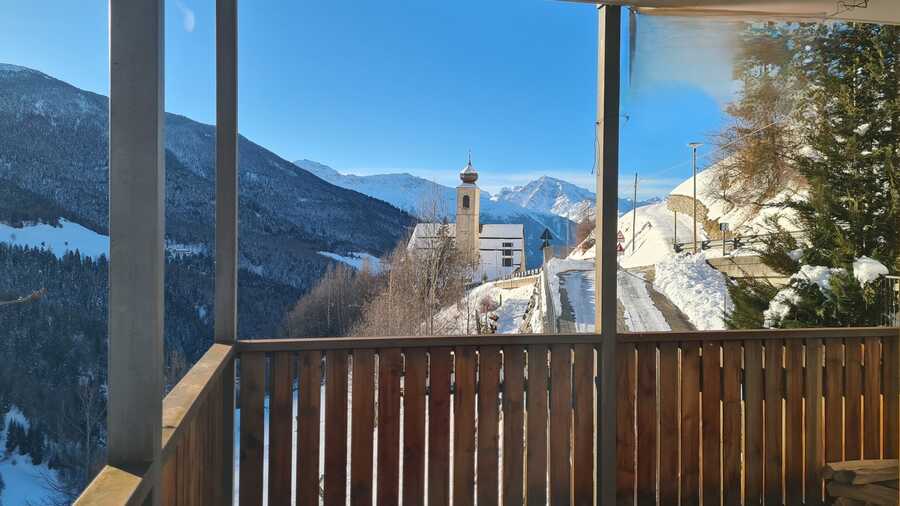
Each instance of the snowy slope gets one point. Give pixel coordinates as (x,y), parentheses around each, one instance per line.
(25,482)
(654,236)
(745,220)
(67,237)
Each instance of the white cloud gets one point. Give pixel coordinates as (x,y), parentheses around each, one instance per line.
(188,17)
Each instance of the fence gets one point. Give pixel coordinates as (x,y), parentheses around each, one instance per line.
(750,418)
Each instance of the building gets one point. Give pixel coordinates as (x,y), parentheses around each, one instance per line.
(497,249)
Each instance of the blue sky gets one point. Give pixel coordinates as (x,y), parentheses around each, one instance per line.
(373,86)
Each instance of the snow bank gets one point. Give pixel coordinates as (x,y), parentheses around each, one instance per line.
(68,236)
(697,289)
(866,270)
(26,483)
(357,260)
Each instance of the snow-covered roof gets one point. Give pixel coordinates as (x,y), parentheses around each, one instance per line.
(503,230)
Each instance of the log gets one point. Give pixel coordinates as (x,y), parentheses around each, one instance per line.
(861,472)
(870,494)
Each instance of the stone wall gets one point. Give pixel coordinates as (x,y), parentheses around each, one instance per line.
(683,204)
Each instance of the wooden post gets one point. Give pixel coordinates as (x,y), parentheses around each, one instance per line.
(605,266)
(226,221)
(136,230)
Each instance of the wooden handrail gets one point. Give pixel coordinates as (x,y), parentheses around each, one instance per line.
(182,403)
(118,486)
(344,343)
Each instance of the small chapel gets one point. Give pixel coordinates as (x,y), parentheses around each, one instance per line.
(498,249)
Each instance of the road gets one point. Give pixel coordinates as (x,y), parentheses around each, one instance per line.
(640,307)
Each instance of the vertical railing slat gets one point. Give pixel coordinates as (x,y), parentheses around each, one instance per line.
(513,425)
(668,423)
(464,427)
(732,435)
(774,377)
(253,386)
(439,427)
(336,428)
(834,400)
(390,368)
(363,425)
(853,399)
(583,437)
(891,387)
(872,399)
(281,417)
(793,423)
(536,487)
(711,418)
(753,416)
(690,423)
(626,383)
(488,425)
(560,424)
(814,424)
(646,424)
(170,480)
(414,426)
(309,373)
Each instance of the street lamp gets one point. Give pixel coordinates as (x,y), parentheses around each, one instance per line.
(694,146)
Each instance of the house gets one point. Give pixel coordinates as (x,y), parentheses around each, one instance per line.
(496,249)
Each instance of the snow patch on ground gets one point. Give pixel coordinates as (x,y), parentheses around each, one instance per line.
(510,303)
(68,236)
(25,482)
(866,270)
(697,289)
(579,287)
(355,259)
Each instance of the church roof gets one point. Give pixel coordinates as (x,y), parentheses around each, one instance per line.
(468,174)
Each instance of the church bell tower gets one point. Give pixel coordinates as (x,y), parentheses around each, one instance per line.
(468,206)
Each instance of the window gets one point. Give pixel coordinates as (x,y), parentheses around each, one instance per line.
(507,252)
(507,262)
(465,201)
(507,245)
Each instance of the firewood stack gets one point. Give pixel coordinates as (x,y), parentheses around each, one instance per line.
(863,482)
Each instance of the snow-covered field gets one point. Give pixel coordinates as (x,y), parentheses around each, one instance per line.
(67,237)
(25,482)
(356,259)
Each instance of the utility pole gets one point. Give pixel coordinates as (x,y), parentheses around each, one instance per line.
(634,215)
(694,146)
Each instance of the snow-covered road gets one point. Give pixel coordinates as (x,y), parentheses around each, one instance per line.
(577,300)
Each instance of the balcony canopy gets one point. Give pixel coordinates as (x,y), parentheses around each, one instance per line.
(865,11)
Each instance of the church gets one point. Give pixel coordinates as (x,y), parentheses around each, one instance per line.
(497,249)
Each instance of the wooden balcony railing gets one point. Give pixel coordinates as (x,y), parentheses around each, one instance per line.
(719,417)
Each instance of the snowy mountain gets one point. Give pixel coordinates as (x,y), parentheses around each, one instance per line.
(551,195)
(426,198)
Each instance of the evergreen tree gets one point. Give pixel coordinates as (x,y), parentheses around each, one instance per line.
(851,161)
